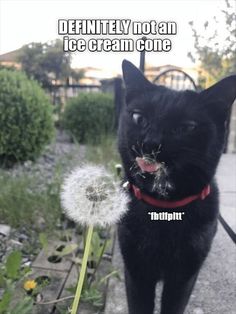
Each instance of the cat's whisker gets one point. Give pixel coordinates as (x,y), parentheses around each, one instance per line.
(142,175)
(155,154)
(141,149)
(148,158)
(138,172)
(135,150)
(133,166)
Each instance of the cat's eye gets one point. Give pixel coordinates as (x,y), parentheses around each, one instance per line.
(139,119)
(185,128)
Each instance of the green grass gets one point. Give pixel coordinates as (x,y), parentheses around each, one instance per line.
(105,153)
(22,204)
(26,197)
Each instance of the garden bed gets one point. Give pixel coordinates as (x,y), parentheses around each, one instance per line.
(30,206)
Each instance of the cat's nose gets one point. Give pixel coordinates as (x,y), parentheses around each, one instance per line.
(152,143)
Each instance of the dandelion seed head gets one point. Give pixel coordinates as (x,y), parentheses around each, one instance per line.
(91,196)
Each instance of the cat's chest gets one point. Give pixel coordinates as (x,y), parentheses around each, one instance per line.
(162,245)
(147,238)
(161,236)
(163,231)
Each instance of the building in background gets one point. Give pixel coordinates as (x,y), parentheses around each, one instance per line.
(9,59)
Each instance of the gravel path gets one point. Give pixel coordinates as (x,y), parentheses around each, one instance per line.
(61,154)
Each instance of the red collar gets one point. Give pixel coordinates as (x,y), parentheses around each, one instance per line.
(168,204)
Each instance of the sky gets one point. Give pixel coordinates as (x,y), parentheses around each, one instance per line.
(22,22)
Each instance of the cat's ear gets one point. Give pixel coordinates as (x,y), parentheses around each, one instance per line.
(134,79)
(220,97)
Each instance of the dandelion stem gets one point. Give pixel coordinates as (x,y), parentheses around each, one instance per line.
(83,270)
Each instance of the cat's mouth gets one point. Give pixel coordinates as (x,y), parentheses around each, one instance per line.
(148,165)
(154,174)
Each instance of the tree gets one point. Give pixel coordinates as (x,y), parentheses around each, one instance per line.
(31,59)
(56,61)
(217,58)
(46,62)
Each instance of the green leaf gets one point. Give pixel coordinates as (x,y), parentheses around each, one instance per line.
(92,296)
(77,260)
(96,246)
(68,249)
(43,240)
(108,244)
(4,303)
(113,273)
(13,264)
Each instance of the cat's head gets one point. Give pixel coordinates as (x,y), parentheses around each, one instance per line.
(171,141)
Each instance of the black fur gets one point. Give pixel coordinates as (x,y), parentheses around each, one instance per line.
(185,131)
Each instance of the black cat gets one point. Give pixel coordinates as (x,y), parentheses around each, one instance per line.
(170,143)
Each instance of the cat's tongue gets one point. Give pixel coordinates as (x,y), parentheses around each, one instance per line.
(147,166)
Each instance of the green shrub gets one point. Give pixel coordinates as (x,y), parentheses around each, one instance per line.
(26,123)
(89,117)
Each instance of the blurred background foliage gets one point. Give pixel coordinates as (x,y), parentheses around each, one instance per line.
(217,57)
(47,62)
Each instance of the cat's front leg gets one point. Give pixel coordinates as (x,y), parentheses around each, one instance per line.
(140,293)
(176,293)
